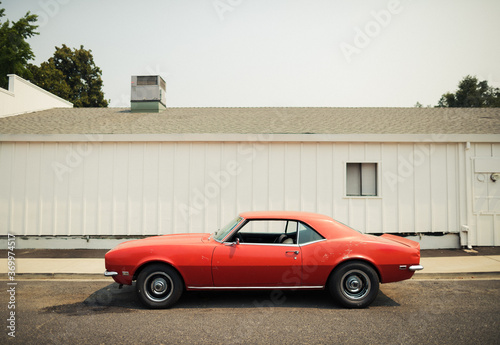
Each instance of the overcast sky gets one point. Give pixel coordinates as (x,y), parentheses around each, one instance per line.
(248,53)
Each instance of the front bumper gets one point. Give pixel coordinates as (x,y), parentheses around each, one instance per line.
(121,277)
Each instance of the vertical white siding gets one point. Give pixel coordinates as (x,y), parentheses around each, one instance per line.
(340,206)
(485,198)
(276,176)
(374,206)
(393,180)
(325,178)
(406,188)
(152,188)
(6,183)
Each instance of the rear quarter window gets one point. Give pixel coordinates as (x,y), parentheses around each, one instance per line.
(308,234)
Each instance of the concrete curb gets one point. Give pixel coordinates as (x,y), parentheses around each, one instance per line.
(48,276)
(461,275)
(457,267)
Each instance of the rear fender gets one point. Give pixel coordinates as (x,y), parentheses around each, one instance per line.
(401,240)
(359,259)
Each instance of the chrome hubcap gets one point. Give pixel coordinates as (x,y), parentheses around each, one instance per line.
(355,284)
(158,286)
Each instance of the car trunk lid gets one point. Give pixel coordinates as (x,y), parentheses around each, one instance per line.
(401,240)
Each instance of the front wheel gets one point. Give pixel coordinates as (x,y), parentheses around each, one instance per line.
(159,286)
(354,284)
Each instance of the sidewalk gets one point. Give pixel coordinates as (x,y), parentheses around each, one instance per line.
(89,264)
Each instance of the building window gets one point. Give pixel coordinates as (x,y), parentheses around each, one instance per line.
(361,179)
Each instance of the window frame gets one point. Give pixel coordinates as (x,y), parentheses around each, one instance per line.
(311,228)
(241,226)
(378,179)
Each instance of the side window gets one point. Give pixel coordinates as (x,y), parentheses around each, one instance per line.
(307,234)
(264,227)
(291,228)
(267,231)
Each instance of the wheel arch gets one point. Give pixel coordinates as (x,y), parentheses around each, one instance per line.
(354,260)
(144,264)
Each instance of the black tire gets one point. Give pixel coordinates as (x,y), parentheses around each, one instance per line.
(159,286)
(354,284)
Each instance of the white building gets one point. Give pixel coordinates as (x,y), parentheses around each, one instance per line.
(24,97)
(100,173)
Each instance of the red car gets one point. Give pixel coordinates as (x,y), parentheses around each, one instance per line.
(265,250)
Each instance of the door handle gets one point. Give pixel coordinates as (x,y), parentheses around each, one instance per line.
(296,252)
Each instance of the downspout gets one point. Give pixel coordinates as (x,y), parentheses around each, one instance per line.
(465,230)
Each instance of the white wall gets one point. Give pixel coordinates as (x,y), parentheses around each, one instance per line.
(484,208)
(106,188)
(23,97)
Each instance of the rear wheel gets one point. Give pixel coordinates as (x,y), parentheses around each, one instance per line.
(354,284)
(159,286)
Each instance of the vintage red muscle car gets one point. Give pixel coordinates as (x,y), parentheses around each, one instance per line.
(265,250)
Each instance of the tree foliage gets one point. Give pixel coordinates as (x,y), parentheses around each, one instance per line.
(69,74)
(15,51)
(72,75)
(49,78)
(471,93)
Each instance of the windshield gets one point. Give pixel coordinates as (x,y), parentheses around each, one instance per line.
(220,234)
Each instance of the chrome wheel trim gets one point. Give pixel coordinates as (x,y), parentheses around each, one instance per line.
(355,284)
(158,286)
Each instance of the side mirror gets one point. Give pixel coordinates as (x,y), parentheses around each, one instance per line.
(231,244)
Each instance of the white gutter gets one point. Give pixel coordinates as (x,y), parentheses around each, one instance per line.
(228,137)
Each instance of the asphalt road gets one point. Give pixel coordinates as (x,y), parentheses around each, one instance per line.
(97,312)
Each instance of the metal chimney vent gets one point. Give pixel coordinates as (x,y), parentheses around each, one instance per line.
(148,93)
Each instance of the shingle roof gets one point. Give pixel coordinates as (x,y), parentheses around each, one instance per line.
(256,121)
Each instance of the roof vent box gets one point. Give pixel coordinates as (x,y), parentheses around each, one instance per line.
(148,93)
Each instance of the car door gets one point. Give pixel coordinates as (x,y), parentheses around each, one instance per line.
(241,264)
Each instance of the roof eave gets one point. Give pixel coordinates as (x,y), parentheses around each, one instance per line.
(263,137)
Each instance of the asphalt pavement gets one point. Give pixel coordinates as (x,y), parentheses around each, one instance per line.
(447,311)
(480,262)
(64,294)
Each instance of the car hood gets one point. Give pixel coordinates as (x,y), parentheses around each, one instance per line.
(175,239)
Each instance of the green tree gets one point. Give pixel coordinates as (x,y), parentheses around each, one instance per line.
(471,93)
(49,78)
(72,75)
(15,52)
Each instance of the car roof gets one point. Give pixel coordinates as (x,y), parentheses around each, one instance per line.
(295,215)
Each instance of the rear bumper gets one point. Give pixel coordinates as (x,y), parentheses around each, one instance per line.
(416,268)
(411,268)
(110,273)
